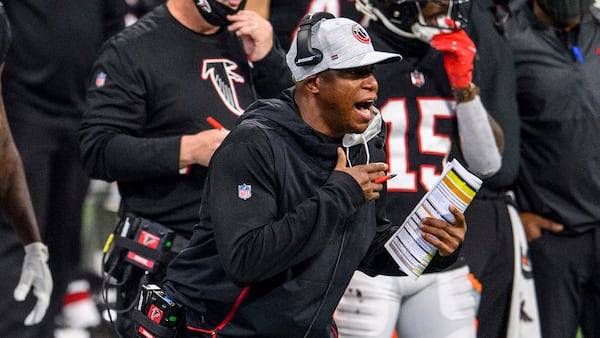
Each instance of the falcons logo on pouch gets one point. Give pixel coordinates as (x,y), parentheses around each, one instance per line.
(149,240)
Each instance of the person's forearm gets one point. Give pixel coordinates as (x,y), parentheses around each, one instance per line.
(478,142)
(127,158)
(15,200)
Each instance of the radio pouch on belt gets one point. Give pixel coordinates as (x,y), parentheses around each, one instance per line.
(156,315)
(139,242)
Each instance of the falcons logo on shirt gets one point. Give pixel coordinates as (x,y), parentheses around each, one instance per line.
(221,74)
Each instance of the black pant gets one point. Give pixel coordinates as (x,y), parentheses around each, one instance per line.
(566,270)
(488,250)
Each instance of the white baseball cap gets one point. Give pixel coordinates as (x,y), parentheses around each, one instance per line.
(344,44)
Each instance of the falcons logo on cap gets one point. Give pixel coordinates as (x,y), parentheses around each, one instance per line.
(222,75)
(360,34)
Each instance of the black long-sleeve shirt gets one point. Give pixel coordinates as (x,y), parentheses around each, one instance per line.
(54,46)
(559,106)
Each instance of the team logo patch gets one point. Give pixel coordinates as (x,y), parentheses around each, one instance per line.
(526,269)
(360,33)
(244,191)
(149,240)
(155,313)
(223,76)
(417,78)
(100,79)
(204,5)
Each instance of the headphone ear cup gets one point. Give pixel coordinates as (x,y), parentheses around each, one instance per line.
(305,54)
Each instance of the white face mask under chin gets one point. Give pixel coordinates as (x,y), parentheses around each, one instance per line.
(372,130)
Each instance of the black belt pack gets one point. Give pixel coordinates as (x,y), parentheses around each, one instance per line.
(139,242)
(156,315)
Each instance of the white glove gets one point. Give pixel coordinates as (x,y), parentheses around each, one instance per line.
(35,272)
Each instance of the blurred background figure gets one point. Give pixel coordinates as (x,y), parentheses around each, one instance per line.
(16,210)
(487,248)
(44,83)
(556,47)
(138,8)
(102,201)
(286,15)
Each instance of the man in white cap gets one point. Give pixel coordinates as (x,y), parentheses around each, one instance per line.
(288,214)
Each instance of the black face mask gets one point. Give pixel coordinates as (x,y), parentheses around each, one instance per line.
(565,12)
(215,12)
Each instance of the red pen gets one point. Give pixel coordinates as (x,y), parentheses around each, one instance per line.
(384,178)
(215,123)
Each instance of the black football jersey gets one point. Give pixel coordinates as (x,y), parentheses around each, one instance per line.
(418,106)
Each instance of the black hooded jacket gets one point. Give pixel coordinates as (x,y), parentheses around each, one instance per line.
(279,220)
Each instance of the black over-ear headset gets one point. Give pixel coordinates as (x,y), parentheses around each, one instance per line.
(305,54)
